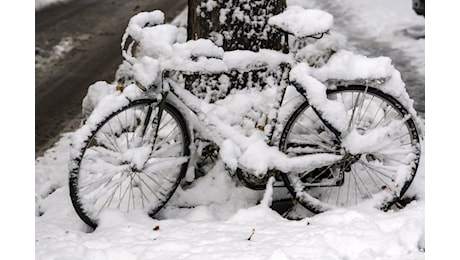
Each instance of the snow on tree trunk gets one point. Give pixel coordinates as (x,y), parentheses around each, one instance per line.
(235,24)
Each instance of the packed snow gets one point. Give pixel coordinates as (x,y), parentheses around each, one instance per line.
(215,217)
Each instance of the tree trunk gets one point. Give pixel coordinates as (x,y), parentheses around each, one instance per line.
(235,24)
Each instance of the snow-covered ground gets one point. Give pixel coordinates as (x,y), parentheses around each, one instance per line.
(226,223)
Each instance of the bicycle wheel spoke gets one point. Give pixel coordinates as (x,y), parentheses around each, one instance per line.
(379,175)
(163,124)
(110,198)
(338,195)
(162,176)
(370,175)
(330,189)
(401,137)
(390,156)
(152,127)
(324,146)
(106,203)
(310,132)
(377,112)
(169,151)
(156,181)
(131,184)
(385,119)
(169,137)
(103,152)
(92,183)
(365,194)
(134,125)
(365,111)
(142,194)
(354,104)
(317,175)
(109,140)
(150,188)
(122,131)
(380,169)
(379,187)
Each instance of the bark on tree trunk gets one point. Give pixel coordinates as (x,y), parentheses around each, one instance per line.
(235,24)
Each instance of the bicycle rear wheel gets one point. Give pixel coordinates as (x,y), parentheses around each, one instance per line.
(133,160)
(380,148)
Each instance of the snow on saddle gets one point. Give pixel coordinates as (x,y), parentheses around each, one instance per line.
(302,22)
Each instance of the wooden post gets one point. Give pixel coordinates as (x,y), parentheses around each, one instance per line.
(235,24)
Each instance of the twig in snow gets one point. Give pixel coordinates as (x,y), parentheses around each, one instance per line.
(253,231)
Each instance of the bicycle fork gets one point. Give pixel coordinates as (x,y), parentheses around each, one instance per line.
(155,122)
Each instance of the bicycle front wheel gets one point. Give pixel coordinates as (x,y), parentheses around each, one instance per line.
(133,160)
(380,148)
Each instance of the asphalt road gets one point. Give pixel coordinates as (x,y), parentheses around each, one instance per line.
(94,28)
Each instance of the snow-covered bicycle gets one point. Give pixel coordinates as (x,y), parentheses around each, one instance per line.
(336,127)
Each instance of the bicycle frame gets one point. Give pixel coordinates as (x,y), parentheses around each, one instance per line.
(288,115)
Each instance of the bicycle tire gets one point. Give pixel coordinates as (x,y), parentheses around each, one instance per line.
(130,161)
(374,179)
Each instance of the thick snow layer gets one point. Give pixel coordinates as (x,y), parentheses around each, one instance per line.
(294,18)
(349,66)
